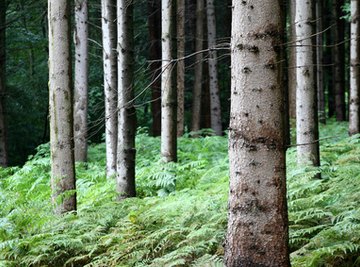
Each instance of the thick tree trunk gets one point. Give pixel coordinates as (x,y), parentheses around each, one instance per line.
(292,62)
(61,107)
(306,100)
(3,149)
(354,109)
(257,226)
(213,75)
(339,61)
(180,78)
(81,80)
(154,25)
(125,177)
(198,71)
(320,61)
(108,13)
(168,92)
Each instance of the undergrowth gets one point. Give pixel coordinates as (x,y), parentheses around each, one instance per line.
(179,216)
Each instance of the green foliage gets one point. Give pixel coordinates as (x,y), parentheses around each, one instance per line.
(179,218)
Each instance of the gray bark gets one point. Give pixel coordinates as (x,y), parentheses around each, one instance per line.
(198,75)
(81,80)
(125,177)
(306,102)
(180,23)
(108,13)
(257,232)
(354,109)
(168,92)
(61,108)
(292,63)
(215,107)
(3,149)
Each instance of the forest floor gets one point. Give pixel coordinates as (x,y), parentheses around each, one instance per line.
(179,216)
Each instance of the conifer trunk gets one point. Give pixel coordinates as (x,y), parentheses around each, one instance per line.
(61,107)
(354,109)
(3,149)
(125,177)
(81,80)
(292,62)
(108,13)
(180,78)
(257,232)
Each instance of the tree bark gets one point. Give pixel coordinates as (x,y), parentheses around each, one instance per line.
(168,92)
(214,85)
(126,152)
(320,61)
(81,80)
(198,71)
(354,109)
(180,78)
(257,232)
(339,61)
(61,107)
(154,25)
(3,148)
(292,62)
(108,13)
(306,102)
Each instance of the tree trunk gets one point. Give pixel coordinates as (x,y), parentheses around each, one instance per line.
(125,178)
(108,13)
(61,108)
(168,92)
(320,61)
(198,71)
(214,86)
(292,62)
(81,80)
(180,65)
(3,149)
(339,61)
(354,110)
(154,25)
(257,227)
(306,102)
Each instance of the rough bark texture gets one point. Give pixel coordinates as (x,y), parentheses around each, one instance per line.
(3,150)
(168,92)
(214,85)
(306,100)
(292,62)
(180,78)
(339,61)
(354,109)
(257,227)
(154,25)
(108,14)
(125,177)
(198,71)
(320,61)
(81,80)
(61,108)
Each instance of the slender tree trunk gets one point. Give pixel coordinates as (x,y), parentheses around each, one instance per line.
(81,80)
(306,102)
(339,61)
(154,24)
(61,108)
(257,227)
(180,23)
(292,62)
(125,178)
(320,61)
(354,109)
(198,74)
(108,13)
(3,149)
(214,85)
(168,92)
